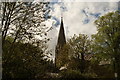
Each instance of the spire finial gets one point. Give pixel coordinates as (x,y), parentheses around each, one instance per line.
(61,15)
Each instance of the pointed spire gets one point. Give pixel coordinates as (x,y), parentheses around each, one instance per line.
(61,41)
(61,36)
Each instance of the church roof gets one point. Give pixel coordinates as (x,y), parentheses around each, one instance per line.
(61,36)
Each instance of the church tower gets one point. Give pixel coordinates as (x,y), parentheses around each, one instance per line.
(60,42)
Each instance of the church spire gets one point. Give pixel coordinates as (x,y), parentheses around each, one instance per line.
(61,36)
(61,41)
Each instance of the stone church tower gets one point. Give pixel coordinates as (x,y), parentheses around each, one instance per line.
(60,42)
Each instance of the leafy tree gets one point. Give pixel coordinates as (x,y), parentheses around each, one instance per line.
(25,61)
(24,55)
(74,52)
(107,40)
(80,47)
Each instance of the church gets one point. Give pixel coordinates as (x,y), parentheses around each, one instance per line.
(60,42)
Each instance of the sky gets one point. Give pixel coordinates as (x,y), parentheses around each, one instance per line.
(78,18)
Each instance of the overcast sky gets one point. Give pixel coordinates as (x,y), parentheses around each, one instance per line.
(78,17)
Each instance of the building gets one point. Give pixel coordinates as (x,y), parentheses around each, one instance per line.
(60,42)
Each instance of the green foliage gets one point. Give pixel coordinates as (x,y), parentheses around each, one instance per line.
(71,74)
(23,60)
(101,71)
(76,74)
(106,43)
(107,38)
(80,46)
(24,54)
(73,53)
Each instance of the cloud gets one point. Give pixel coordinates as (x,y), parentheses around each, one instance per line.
(78,17)
(83,0)
(54,1)
(57,21)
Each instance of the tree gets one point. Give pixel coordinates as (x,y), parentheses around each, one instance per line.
(23,20)
(107,39)
(25,61)
(80,47)
(74,52)
(24,55)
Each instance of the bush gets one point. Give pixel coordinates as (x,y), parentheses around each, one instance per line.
(71,74)
(76,74)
